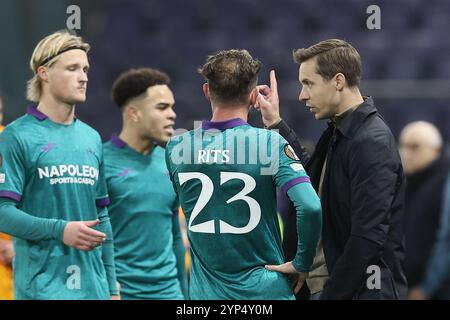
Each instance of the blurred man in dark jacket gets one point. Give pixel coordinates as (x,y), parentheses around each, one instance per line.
(426,168)
(356,170)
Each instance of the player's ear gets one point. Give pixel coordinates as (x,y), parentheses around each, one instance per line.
(339,81)
(253,96)
(133,112)
(42,73)
(206,91)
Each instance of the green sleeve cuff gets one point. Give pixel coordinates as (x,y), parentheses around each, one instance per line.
(58,229)
(299,266)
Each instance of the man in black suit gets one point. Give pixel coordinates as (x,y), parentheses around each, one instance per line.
(355,169)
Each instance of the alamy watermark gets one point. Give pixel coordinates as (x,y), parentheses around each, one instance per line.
(373,22)
(73,22)
(73,281)
(374,280)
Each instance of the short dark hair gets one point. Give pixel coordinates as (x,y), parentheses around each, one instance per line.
(135,82)
(333,56)
(231,75)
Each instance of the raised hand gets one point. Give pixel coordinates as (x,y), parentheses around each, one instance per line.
(268,102)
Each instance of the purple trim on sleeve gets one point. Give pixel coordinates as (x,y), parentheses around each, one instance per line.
(117,142)
(10,195)
(293,182)
(223,125)
(33,111)
(102,202)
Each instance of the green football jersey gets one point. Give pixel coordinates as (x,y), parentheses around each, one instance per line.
(54,171)
(226,174)
(143,211)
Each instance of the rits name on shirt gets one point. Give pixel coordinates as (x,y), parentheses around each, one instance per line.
(213,156)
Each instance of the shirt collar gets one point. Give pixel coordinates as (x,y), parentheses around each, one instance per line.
(349,123)
(339,118)
(117,142)
(223,125)
(33,111)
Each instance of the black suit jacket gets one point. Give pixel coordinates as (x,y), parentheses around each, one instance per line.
(362,205)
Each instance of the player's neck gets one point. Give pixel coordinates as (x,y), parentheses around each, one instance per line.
(135,141)
(350,101)
(228,113)
(57,111)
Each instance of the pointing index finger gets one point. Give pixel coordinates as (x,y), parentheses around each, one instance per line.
(273,81)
